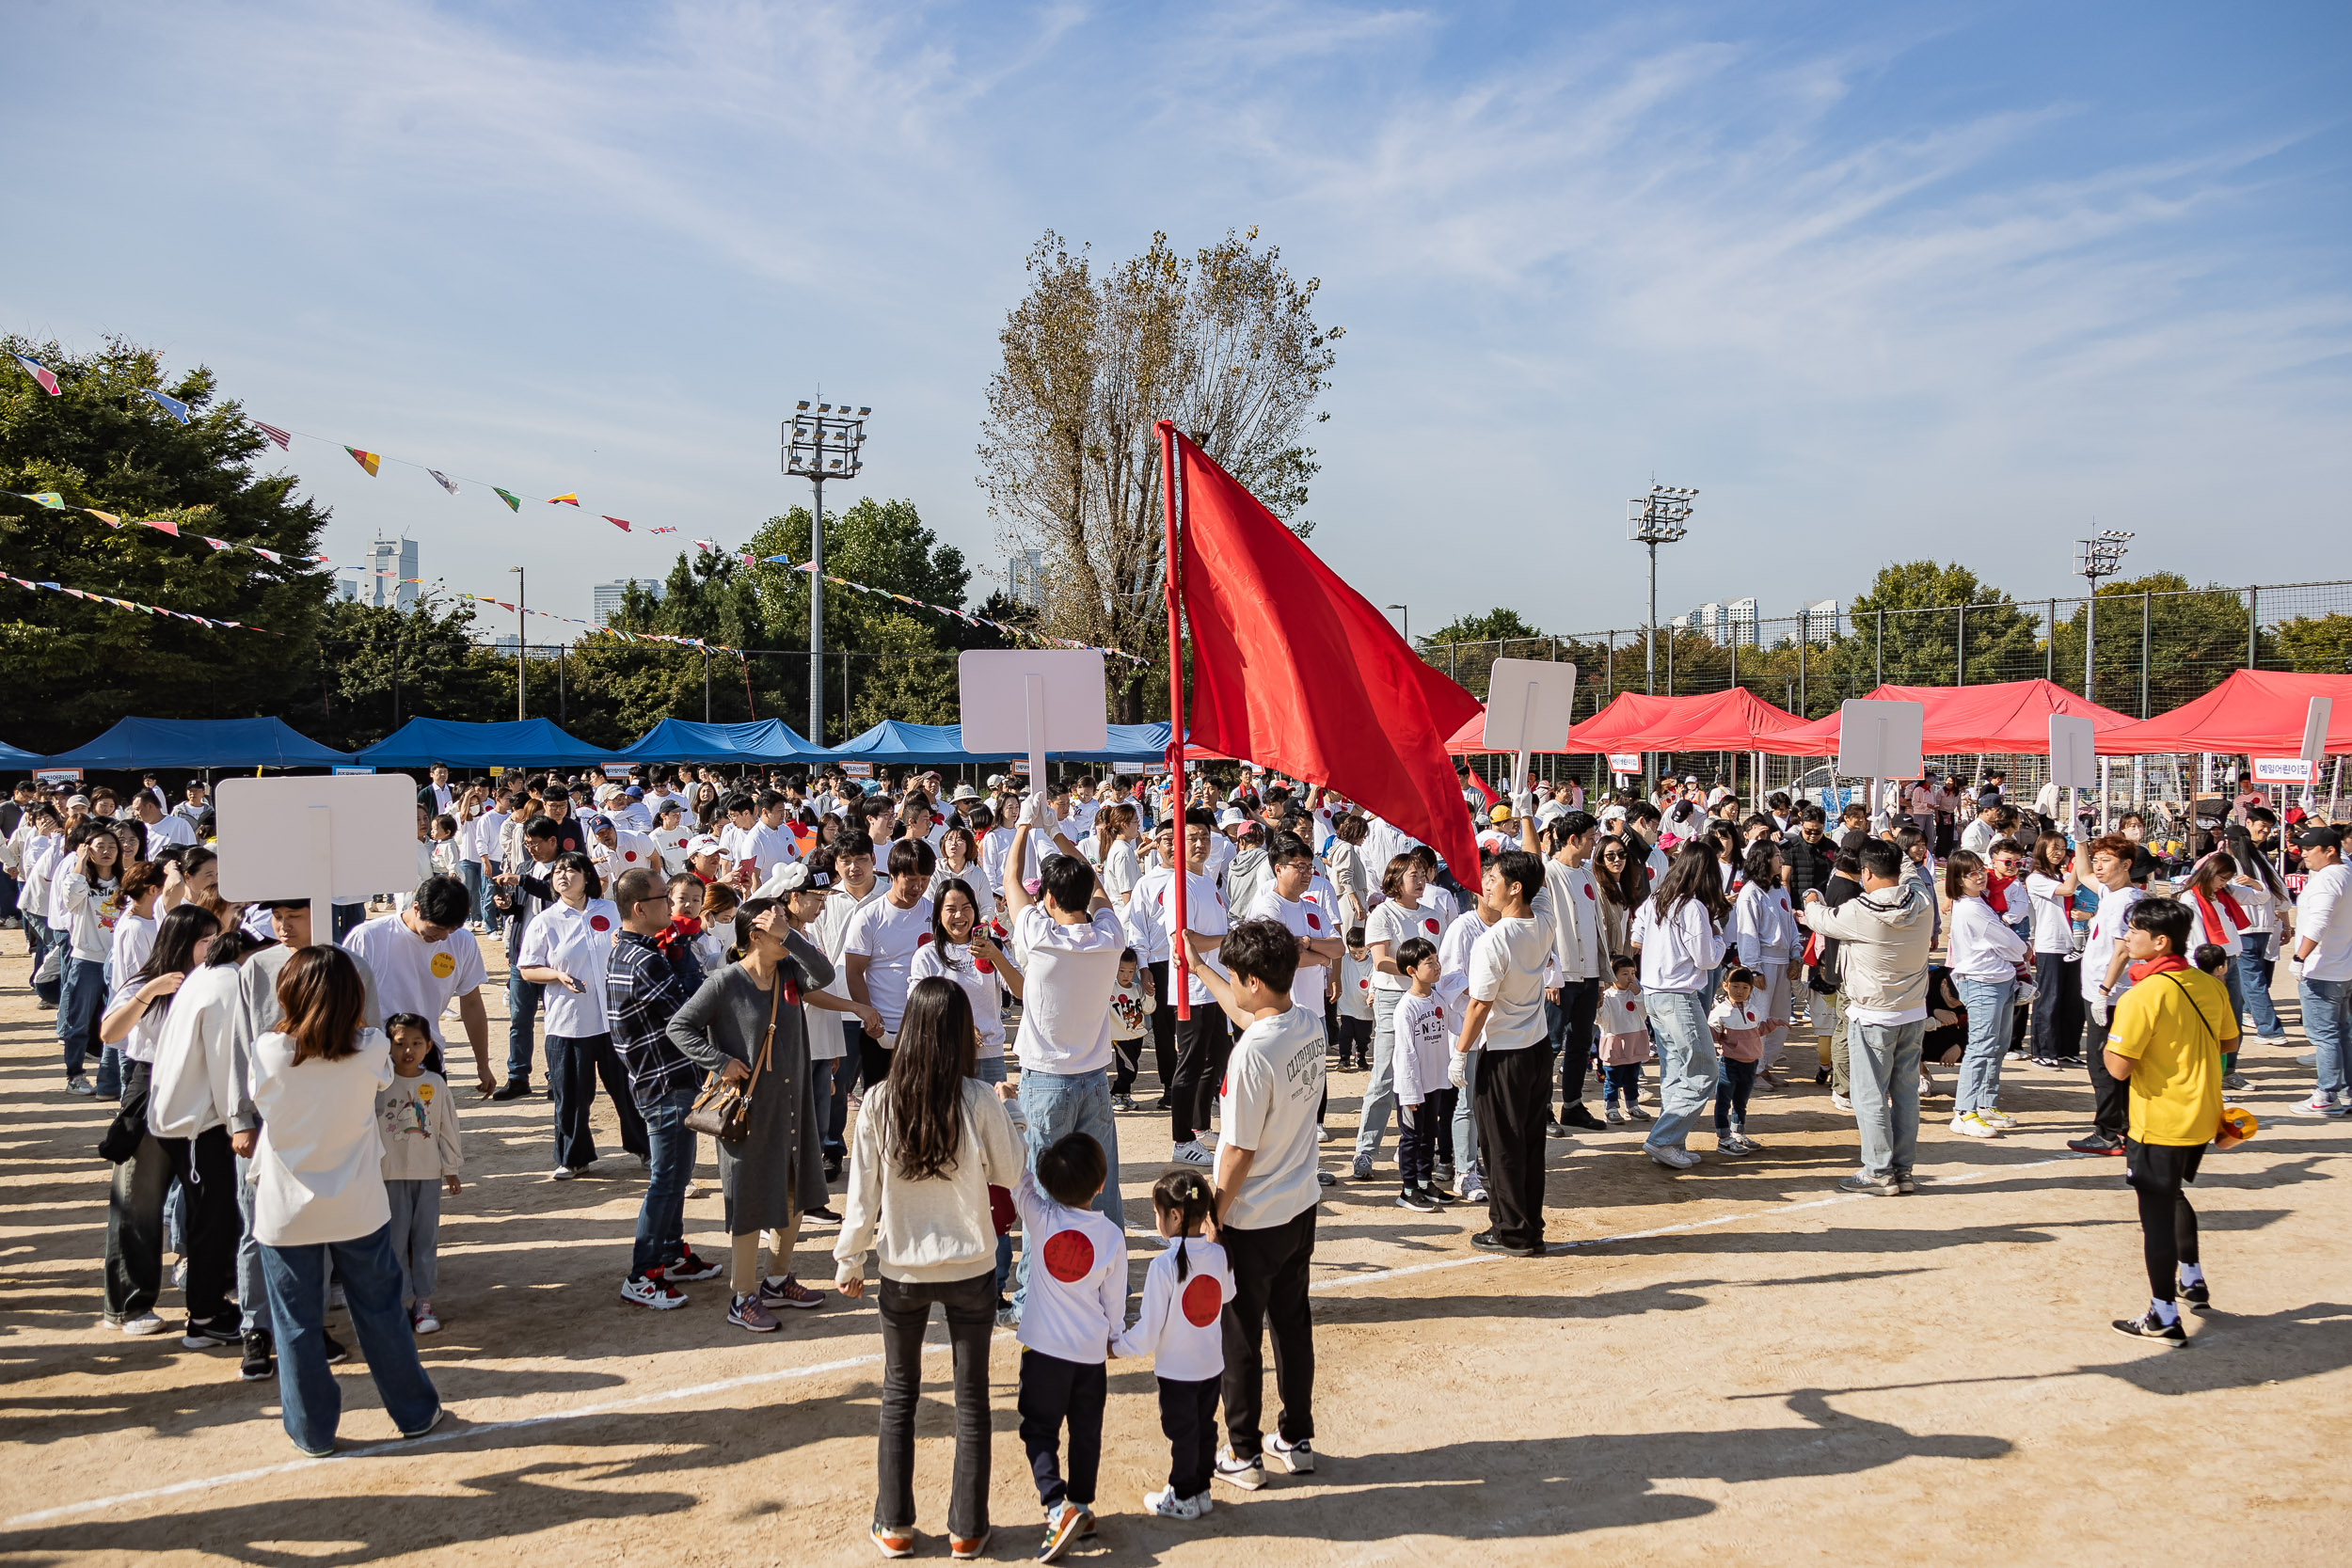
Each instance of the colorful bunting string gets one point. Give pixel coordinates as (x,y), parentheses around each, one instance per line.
(89,597)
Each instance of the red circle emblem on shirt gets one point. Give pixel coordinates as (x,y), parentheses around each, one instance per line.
(923,941)
(598,923)
(1069,1256)
(629,854)
(1202,1298)
(1430,926)
(1313,924)
(1629,1006)
(983,966)
(1588,890)
(1363,985)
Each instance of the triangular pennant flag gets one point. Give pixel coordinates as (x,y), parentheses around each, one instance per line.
(159,526)
(284,437)
(106,517)
(514,502)
(442,479)
(621,523)
(566,498)
(49,499)
(47,382)
(76,593)
(216,544)
(661,530)
(368,459)
(172,406)
(270,556)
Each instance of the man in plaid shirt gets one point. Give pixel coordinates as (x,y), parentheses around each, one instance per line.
(644,983)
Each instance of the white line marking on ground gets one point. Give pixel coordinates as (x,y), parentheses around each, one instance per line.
(789,1375)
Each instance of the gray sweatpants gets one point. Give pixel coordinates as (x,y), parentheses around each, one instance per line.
(416,1237)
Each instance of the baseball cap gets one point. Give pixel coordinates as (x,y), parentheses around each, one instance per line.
(1552,811)
(705,845)
(2321,837)
(1501,814)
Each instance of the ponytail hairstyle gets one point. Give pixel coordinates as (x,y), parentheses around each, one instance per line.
(1184,1193)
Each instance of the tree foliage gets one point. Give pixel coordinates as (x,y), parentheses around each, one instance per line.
(75,667)
(2192,634)
(1224,344)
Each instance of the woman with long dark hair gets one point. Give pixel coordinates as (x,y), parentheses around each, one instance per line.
(83,905)
(745,1023)
(319,1197)
(2261,893)
(1677,934)
(1621,872)
(932,1139)
(2058,965)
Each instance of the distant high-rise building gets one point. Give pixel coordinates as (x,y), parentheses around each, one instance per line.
(1726,624)
(1819,622)
(348,589)
(1026,578)
(391,573)
(610,597)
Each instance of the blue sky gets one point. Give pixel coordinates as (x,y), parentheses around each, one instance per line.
(1880,282)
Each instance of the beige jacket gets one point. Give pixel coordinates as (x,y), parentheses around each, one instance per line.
(933,1232)
(1882,965)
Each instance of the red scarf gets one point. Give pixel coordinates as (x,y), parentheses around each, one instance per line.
(1997,890)
(2212,921)
(682,928)
(2149,969)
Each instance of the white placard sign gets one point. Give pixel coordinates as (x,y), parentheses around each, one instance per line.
(1531,702)
(2280,770)
(1031,701)
(2315,722)
(1880,739)
(2073,752)
(321,838)
(1625,762)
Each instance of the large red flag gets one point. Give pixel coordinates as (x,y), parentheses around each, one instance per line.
(1293,669)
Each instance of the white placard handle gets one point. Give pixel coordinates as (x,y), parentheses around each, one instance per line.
(1033,685)
(322,826)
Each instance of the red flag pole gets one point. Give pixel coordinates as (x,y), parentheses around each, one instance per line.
(1179,966)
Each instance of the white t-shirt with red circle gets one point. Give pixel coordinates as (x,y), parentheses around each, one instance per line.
(1077,1291)
(1304,920)
(1395,923)
(574,941)
(1179,1328)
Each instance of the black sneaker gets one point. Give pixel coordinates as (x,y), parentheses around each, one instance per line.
(1486,1240)
(2197,1295)
(2073,1062)
(1820,1075)
(2098,1142)
(2050,1062)
(692,1266)
(821,1214)
(1438,1191)
(335,1353)
(1556,1130)
(514,1088)
(258,1363)
(833,1168)
(1576,1116)
(2150,1327)
(222,1330)
(1418,1201)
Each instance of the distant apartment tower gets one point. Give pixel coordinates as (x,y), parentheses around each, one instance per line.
(391,573)
(347,590)
(1820,621)
(1025,578)
(610,597)
(1725,624)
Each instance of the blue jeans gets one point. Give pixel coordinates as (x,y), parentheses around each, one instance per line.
(38,941)
(1057,1104)
(1687,1069)
(1989,1024)
(81,992)
(662,1218)
(1883,1059)
(469,873)
(522,1016)
(2254,971)
(370,1275)
(2327,1023)
(1733,1083)
(1371,1118)
(990,1070)
(1466,1120)
(486,907)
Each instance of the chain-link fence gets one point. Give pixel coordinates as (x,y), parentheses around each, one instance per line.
(2145,653)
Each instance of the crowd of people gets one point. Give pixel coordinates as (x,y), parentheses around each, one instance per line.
(933,1004)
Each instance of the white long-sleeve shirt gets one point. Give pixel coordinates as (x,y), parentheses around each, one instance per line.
(1983,946)
(2324,915)
(1761,924)
(1571,901)
(1180,1325)
(1680,949)
(198,1081)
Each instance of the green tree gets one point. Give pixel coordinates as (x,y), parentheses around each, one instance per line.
(2316,644)
(75,667)
(1922,628)
(908,678)
(378,667)
(2195,637)
(629,681)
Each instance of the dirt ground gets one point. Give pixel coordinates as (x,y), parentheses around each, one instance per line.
(1731,1365)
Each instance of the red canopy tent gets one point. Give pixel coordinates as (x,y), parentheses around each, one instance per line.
(2259,712)
(1733,720)
(2011,716)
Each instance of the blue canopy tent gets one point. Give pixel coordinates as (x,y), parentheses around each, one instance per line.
(517,742)
(890,741)
(762,740)
(137,743)
(11,756)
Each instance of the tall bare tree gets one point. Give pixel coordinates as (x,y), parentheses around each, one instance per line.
(1224,343)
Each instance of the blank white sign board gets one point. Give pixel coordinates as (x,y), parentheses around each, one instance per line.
(1031,701)
(1530,704)
(2315,722)
(2073,752)
(1880,739)
(320,838)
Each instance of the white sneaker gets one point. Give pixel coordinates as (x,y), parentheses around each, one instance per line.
(660,1294)
(1191,1154)
(1617,1115)
(1926,1083)
(1996,1118)
(1674,1159)
(145,1323)
(561,1173)
(1840,1100)
(1297,1458)
(2319,1105)
(1168,1505)
(1971,1126)
(1323,1135)
(1248,1474)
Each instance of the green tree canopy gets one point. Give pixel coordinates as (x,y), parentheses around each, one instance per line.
(75,667)
(1923,627)
(2195,637)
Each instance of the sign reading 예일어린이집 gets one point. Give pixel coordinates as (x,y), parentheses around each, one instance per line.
(1625,762)
(2281,770)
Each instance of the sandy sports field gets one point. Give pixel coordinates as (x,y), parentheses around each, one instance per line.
(1730,1366)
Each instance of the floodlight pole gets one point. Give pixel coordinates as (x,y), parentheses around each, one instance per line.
(520,639)
(1661,517)
(828,443)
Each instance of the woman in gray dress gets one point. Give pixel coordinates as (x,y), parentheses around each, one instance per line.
(764,1176)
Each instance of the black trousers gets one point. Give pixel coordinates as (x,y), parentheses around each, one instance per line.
(2167,1226)
(207,1171)
(1188,1416)
(971,1309)
(1509,1097)
(873,1062)
(1202,1043)
(2110,1108)
(1355,1039)
(1054,1393)
(1417,1141)
(1126,1057)
(1270,1267)
(1580,1003)
(2058,1004)
(1163,1028)
(574,1064)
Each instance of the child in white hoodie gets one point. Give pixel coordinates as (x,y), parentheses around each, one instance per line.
(1184,1293)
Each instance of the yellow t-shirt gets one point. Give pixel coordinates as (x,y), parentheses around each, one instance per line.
(2174,1026)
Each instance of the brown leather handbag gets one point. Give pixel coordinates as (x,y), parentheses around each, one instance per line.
(724,1110)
